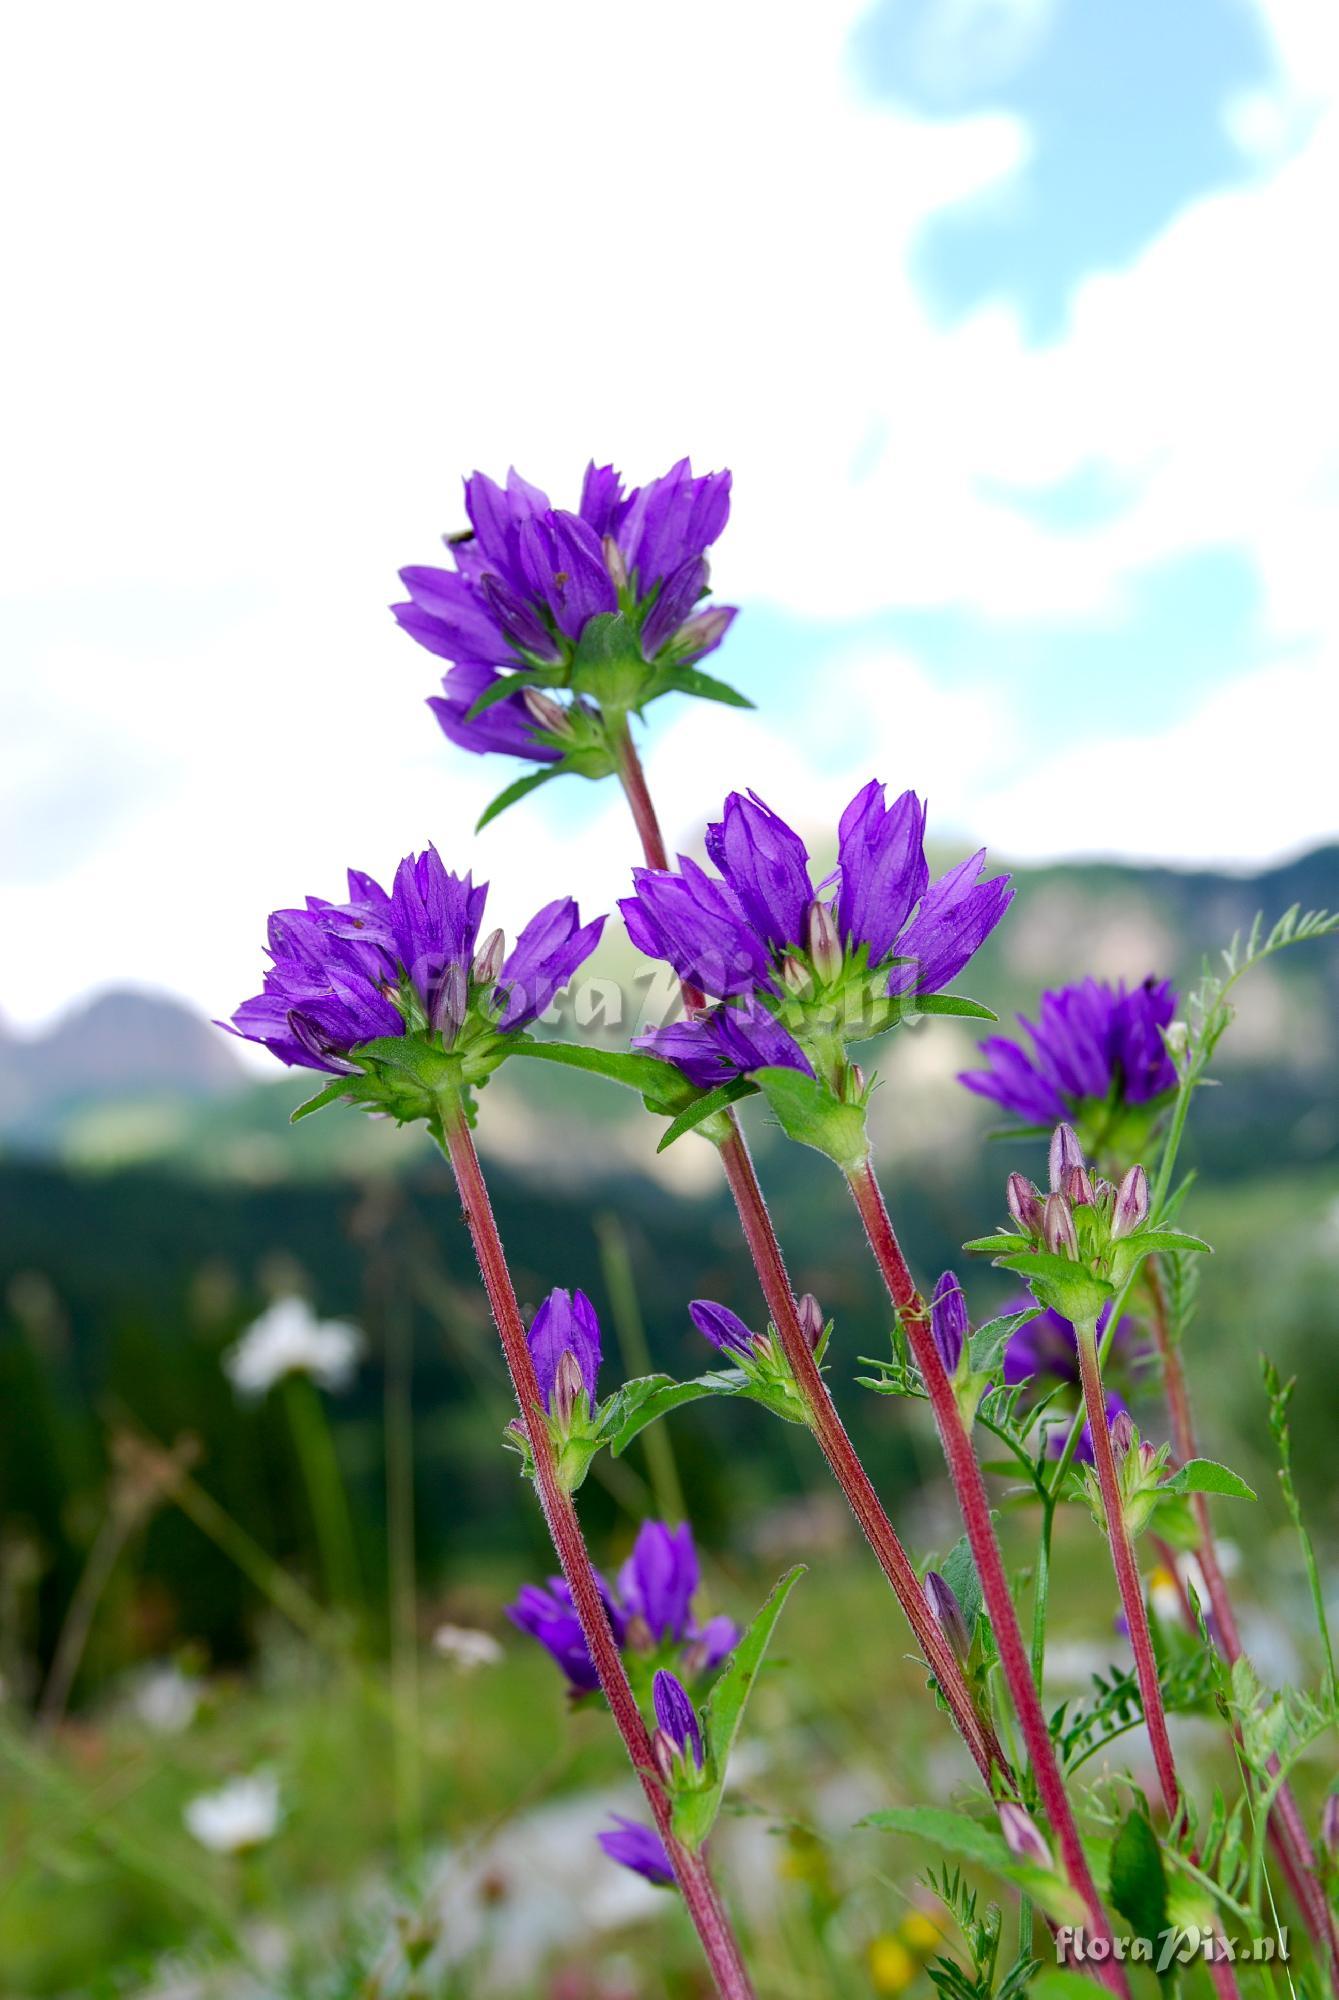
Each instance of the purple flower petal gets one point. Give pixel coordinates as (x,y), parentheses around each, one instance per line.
(881,856)
(546,954)
(507,726)
(724,1329)
(659,1578)
(639,1848)
(565,1324)
(956,916)
(766,864)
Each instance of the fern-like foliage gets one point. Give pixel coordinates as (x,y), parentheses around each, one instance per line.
(1083,1729)
(1209,1009)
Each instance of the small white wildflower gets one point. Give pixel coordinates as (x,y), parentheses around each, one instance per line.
(467,1648)
(240,1815)
(288,1339)
(165,1700)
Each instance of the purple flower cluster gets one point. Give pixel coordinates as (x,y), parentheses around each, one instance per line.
(1092,1041)
(529,578)
(651,1610)
(760,939)
(403,963)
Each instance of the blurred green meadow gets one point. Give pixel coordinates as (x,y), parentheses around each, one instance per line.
(196,1587)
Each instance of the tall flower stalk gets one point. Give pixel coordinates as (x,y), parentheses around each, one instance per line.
(392,996)
(824,1421)
(970,1487)
(690,1868)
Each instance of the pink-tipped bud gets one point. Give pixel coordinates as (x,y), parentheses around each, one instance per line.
(665,1752)
(1025,1205)
(796,977)
(1066,1152)
(1131,1208)
(614,563)
(856,1082)
(1057,1228)
(1122,1433)
(547,712)
(705,629)
(1079,1187)
(810,1315)
(488,959)
(1103,1191)
(451,1002)
(1022,1836)
(825,945)
(567,1386)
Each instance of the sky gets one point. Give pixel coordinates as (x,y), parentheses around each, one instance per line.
(1012,318)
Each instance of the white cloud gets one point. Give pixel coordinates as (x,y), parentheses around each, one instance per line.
(284,273)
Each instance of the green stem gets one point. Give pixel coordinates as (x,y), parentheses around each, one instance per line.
(620,1284)
(326,1497)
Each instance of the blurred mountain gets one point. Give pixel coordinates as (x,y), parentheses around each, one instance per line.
(139,1078)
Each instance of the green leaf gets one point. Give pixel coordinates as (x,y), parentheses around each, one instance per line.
(950,1003)
(695,1812)
(989,1341)
(695,1114)
(1145,1241)
(811,1113)
(691,680)
(953,1832)
(645,1074)
(648,1397)
(1071,1289)
(513,793)
(1205,1475)
(1002,1244)
(339,1088)
(501,690)
(959,1573)
(974,1841)
(1138,1878)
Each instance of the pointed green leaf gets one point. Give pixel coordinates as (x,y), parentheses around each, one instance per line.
(989,1341)
(958,1570)
(706,1106)
(649,1397)
(646,1074)
(950,1003)
(691,680)
(1145,1241)
(984,1845)
(509,797)
(339,1088)
(502,690)
(1138,1878)
(1002,1244)
(695,1812)
(1205,1475)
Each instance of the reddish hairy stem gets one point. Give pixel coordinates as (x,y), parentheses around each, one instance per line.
(699,1891)
(846,1467)
(1132,1600)
(826,1424)
(1287,1828)
(970,1487)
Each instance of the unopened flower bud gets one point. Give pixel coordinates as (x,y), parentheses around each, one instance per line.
(1079,1187)
(1103,1191)
(1176,1037)
(856,1077)
(488,959)
(794,975)
(1057,1227)
(567,1386)
(451,1002)
(1022,1837)
(662,1749)
(614,563)
(676,1715)
(547,712)
(704,630)
(1131,1207)
(1066,1152)
(825,945)
(943,1602)
(810,1315)
(1024,1200)
(1122,1433)
(948,1321)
